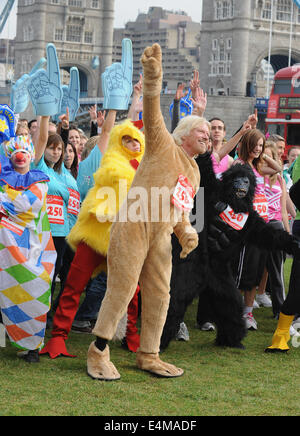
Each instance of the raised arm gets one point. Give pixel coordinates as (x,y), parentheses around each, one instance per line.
(106,129)
(41,141)
(154,126)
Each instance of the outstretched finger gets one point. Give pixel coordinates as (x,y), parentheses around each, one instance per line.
(74,85)
(127,58)
(53,65)
(40,64)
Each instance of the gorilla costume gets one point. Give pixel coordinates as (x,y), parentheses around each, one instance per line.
(230,221)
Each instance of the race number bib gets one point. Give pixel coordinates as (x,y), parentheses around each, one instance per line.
(74,202)
(260,204)
(235,220)
(55,209)
(183,197)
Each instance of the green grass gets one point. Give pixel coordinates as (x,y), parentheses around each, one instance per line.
(217,381)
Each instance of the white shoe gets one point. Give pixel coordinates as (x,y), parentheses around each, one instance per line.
(207,327)
(255,305)
(183,333)
(293,332)
(251,324)
(263,300)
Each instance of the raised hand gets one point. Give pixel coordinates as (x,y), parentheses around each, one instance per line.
(44,86)
(71,95)
(180,92)
(152,62)
(117,80)
(19,98)
(253,120)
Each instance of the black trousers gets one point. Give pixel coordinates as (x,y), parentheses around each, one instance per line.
(291,305)
(274,265)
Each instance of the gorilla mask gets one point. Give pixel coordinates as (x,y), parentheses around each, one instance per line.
(241,186)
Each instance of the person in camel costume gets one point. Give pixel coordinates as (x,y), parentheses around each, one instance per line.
(140,250)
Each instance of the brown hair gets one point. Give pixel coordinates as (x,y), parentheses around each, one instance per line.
(248,144)
(74,166)
(56,140)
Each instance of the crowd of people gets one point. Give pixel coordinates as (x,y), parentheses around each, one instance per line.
(60,235)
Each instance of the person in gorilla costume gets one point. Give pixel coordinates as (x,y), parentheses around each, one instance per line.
(229,222)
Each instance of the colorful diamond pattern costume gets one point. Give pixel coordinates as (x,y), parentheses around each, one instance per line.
(27,256)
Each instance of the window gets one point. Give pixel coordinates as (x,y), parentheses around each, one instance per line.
(214,44)
(74,33)
(293,134)
(28,2)
(283,11)
(88,37)
(59,35)
(224,9)
(75,3)
(55,2)
(283,87)
(28,33)
(266,12)
(95,4)
(229,43)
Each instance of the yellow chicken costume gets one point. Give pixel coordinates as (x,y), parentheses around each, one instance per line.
(141,251)
(96,213)
(89,237)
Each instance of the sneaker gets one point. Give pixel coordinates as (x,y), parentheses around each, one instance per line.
(183,333)
(251,324)
(207,327)
(255,305)
(81,327)
(293,331)
(263,300)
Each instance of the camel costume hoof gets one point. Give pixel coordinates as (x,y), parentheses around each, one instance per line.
(99,366)
(152,363)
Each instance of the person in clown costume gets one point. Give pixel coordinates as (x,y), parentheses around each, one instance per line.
(27,254)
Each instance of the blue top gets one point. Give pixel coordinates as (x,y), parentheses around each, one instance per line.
(87,168)
(57,200)
(74,199)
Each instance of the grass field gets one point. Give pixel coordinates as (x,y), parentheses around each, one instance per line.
(217,381)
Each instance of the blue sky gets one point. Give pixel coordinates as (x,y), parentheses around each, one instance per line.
(123,12)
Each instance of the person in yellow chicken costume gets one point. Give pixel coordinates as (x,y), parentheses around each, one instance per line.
(89,238)
(140,249)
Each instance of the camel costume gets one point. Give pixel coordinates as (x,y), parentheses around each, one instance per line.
(141,251)
(89,238)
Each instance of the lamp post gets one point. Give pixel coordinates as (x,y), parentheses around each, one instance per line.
(270,48)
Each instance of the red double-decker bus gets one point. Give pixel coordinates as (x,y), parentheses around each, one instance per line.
(283,116)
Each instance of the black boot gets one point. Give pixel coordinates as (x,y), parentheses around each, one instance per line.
(32,356)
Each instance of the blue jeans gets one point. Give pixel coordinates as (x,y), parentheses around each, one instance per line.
(94,295)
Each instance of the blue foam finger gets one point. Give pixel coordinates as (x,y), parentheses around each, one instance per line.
(53,65)
(19,97)
(117,80)
(44,86)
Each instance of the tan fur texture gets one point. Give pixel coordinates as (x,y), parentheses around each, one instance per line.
(141,251)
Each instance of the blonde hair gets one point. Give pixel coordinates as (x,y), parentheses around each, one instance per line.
(88,147)
(272,146)
(186,125)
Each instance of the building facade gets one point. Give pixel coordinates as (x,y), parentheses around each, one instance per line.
(178,36)
(81,30)
(235,40)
